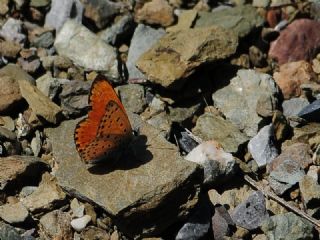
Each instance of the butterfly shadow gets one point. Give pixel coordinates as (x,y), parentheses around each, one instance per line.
(132,156)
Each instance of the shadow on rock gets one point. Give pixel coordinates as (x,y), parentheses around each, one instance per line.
(133,156)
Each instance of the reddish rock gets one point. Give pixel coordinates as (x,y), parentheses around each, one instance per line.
(299,41)
(292,75)
(157,12)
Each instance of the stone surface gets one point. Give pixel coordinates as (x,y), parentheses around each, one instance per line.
(56,225)
(217,164)
(263,147)
(86,49)
(241,19)
(47,196)
(310,192)
(20,167)
(221,223)
(156,12)
(92,232)
(13,213)
(244,92)
(9,49)
(311,112)
(209,127)
(48,85)
(132,97)
(9,232)
(251,213)
(292,75)
(41,105)
(79,224)
(298,152)
(61,11)
(287,226)
(154,179)
(143,38)
(172,58)
(119,31)
(12,30)
(285,175)
(293,106)
(298,41)
(185,20)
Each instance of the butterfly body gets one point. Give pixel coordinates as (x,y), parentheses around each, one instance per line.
(107,130)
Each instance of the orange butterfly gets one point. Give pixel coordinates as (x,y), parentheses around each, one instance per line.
(107,129)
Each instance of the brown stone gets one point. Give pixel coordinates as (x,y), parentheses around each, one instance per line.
(292,75)
(9,49)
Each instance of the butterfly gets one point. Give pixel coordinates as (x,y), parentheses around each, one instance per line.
(106,130)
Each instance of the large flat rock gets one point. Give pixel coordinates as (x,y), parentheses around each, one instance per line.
(145,192)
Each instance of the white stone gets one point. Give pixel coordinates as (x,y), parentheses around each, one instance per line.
(79,224)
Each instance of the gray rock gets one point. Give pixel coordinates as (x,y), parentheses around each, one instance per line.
(261,3)
(119,31)
(172,58)
(133,97)
(74,97)
(251,213)
(56,225)
(46,196)
(12,30)
(244,92)
(36,144)
(76,208)
(8,232)
(30,66)
(180,114)
(198,224)
(143,38)
(161,122)
(44,40)
(20,168)
(285,175)
(293,106)
(6,134)
(61,11)
(287,226)
(311,112)
(221,223)
(162,191)
(310,192)
(27,190)
(217,164)
(48,85)
(86,49)
(210,127)
(262,146)
(240,19)
(79,224)
(13,213)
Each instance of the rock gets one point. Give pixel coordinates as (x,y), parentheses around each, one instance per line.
(310,192)
(217,164)
(82,47)
(240,19)
(56,225)
(293,106)
(41,105)
(49,86)
(185,20)
(298,41)
(9,49)
(36,144)
(156,12)
(4,7)
(13,31)
(8,123)
(20,168)
(74,97)
(183,113)
(92,232)
(101,11)
(79,224)
(39,3)
(48,195)
(186,142)
(313,172)
(263,147)
(119,31)
(245,90)
(44,39)
(285,175)
(143,38)
(298,152)
(198,224)
(77,208)
(161,122)
(132,97)
(30,66)
(13,213)
(251,213)
(162,190)
(261,3)
(6,134)
(9,232)
(171,59)
(287,226)
(208,127)
(222,223)
(61,11)
(311,112)
(27,190)
(292,75)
